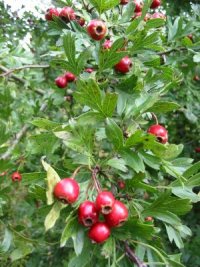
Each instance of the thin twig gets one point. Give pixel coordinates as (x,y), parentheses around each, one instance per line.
(94,177)
(18,137)
(155,117)
(9,71)
(15,77)
(76,171)
(132,256)
(172,50)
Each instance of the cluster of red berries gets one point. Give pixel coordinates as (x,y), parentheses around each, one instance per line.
(139,6)
(63,80)
(66,14)
(115,213)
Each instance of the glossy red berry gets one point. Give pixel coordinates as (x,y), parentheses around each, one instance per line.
(87,213)
(50,13)
(70,77)
(61,81)
(80,21)
(124,65)
(197,149)
(107,44)
(16,177)
(89,70)
(67,190)
(67,14)
(124,2)
(138,5)
(155,4)
(104,202)
(96,29)
(121,184)
(158,15)
(149,219)
(99,232)
(118,215)
(196,78)
(160,132)
(190,36)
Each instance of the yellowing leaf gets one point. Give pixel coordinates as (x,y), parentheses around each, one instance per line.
(52,179)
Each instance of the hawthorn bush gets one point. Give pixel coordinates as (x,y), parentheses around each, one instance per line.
(97,159)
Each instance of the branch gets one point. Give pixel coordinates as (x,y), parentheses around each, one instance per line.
(172,50)
(95,180)
(15,77)
(18,137)
(9,71)
(131,255)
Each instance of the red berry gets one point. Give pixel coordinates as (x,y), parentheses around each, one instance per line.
(138,5)
(89,70)
(124,2)
(155,4)
(196,78)
(67,190)
(50,12)
(96,29)
(87,213)
(197,149)
(149,219)
(16,177)
(160,132)
(61,81)
(99,232)
(80,21)
(158,15)
(67,14)
(121,184)
(124,65)
(104,202)
(190,36)
(118,215)
(70,77)
(107,44)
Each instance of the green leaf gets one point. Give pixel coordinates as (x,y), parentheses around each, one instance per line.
(89,94)
(7,241)
(82,59)
(104,5)
(127,85)
(175,236)
(78,241)
(133,160)
(107,249)
(163,107)
(109,104)
(114,134)
(69,230)
(133,229)
(118,164)
(128,13)
(172,151)
(90,118)
(52,179)
(70,51)
(21,252)
(155,23)
(192,170)
(45,124)
(53,215)
(3,135)
(108,58)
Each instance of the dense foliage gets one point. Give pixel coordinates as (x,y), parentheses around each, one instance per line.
(100,122)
